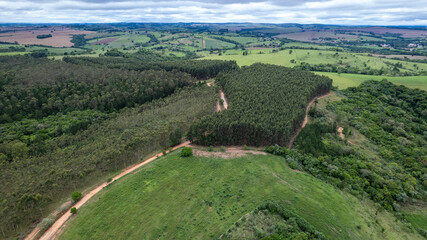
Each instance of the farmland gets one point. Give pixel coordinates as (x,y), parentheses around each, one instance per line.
(61,36)
(217,193)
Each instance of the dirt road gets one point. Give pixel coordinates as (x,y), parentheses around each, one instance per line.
(53,230)
(225,104)
(204,43)
(291,142)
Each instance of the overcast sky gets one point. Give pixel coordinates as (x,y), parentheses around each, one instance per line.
(356,12)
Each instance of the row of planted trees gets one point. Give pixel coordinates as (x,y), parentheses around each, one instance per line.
(266,105)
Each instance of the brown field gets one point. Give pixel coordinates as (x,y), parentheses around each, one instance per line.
(406,33)
(400,56)
(61,36)
(186,41)
(104,41)
(314,36)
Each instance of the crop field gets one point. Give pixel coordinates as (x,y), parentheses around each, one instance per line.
(316,36)
(406,33)
(61,36)
(214,193)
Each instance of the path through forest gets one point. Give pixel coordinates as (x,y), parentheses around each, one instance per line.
(291,142)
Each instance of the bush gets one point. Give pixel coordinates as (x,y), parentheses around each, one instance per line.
(186,152)
(73,210)
(46,223)
(76,196)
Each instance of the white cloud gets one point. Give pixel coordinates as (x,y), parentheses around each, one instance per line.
(361,12)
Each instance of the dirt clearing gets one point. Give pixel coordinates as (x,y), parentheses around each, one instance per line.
(231,152)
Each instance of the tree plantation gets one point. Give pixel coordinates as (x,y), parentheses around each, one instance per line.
(266,105)
(32,89)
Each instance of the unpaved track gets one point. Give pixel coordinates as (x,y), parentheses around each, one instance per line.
(225,104)
(291,142)
(53,230)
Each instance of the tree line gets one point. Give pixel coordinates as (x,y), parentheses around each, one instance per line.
(201,69)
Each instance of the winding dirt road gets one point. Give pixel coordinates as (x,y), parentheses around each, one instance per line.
(53,230)
(291,142)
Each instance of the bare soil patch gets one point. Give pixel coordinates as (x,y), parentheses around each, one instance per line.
(232,152)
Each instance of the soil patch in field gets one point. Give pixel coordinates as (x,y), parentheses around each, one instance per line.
(232,152)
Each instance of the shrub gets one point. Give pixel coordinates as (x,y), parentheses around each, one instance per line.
(73,210)
(46,223)
(186,152)
(76,196)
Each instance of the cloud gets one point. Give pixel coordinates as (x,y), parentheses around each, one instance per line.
(361,12)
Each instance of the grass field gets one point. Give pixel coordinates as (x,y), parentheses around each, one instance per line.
(315,57)
(217,44)
(345,80)
(200,197)
(125,40)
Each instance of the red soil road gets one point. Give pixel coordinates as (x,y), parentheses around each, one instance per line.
(291,142)
(55,230)
(51,233)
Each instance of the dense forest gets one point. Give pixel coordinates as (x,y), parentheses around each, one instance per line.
(266,105)
(201,69)
(390,168)
(36,89)
(64,125)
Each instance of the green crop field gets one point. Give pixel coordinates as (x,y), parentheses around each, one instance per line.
(201,197)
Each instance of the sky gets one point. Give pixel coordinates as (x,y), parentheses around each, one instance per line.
(341,12)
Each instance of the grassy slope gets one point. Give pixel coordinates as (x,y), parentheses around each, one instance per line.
(345,80)
(171,199)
